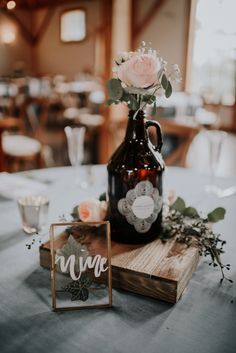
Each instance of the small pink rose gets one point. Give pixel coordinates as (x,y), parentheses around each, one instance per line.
(139,71)
(92,210)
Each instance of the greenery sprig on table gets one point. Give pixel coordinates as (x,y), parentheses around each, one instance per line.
(193,230)
(179,221)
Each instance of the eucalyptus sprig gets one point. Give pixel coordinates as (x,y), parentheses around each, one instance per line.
(190,228)
(136,98)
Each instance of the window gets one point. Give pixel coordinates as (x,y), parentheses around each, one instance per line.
(213,61)
(73,26)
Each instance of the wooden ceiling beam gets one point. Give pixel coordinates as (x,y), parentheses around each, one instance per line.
(24,31)
(28,35)
(44,25)
(35,4)
(134,12)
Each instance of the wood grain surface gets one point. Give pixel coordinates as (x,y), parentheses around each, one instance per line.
(158,270)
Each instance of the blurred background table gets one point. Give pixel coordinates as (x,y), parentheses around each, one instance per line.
(202,321)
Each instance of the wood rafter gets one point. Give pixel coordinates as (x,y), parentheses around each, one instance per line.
(35,4)
(44,24)
(28,35)
(134,11)
(24,31)
(34,38)
(138,28)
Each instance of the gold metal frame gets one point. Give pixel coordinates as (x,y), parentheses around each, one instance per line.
(53,272)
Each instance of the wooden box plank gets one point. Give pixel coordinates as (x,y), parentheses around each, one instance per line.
(158,270)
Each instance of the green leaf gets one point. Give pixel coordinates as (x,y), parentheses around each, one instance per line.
(125,97)
(115,89)
(154,110)
(109,102)
(216,215)
(164,82)
(168,91)
(149,98)
(75,213)
(178,205)
(195,231)
(102,197)
(133,104)
(190,212)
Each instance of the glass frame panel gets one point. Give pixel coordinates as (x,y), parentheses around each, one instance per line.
(81,274)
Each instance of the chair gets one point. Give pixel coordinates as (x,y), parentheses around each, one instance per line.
(213,151)
(185,134)
(17,152)
(36,111)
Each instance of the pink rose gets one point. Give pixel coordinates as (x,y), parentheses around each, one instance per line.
(92,210)
(140,71)
(171,197)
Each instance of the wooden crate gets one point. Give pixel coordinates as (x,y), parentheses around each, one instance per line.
(158,270)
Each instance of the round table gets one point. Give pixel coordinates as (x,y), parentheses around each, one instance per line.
(204,320)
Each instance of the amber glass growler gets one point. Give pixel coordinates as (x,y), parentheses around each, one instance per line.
(135,183)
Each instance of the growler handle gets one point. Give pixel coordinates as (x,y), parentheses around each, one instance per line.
(154,123)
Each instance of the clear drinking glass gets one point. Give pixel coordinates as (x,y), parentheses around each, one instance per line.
(75,141)
(215,139)
(34,213)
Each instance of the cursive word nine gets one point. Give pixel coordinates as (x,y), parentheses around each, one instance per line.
(97,263)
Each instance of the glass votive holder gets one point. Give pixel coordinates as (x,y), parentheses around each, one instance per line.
(34,213)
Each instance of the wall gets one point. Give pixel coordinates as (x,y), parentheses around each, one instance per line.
(18,51)
(167,30)
(51,56)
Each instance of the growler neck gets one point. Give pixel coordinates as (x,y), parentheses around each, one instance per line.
(136,129)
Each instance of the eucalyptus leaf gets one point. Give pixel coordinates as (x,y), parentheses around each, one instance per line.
(75,213)
(72,247)
(108,102)
(125,97)
(178,205)
(102,197)
(190,212)
(216,215)
(164,82)
(115,89)
(133,104)
(168,90)
(148,98)
(154,110)
(195,231)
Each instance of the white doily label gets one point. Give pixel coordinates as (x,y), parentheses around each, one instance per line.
(141,206)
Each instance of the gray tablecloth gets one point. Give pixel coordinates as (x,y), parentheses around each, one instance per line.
(204,320)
